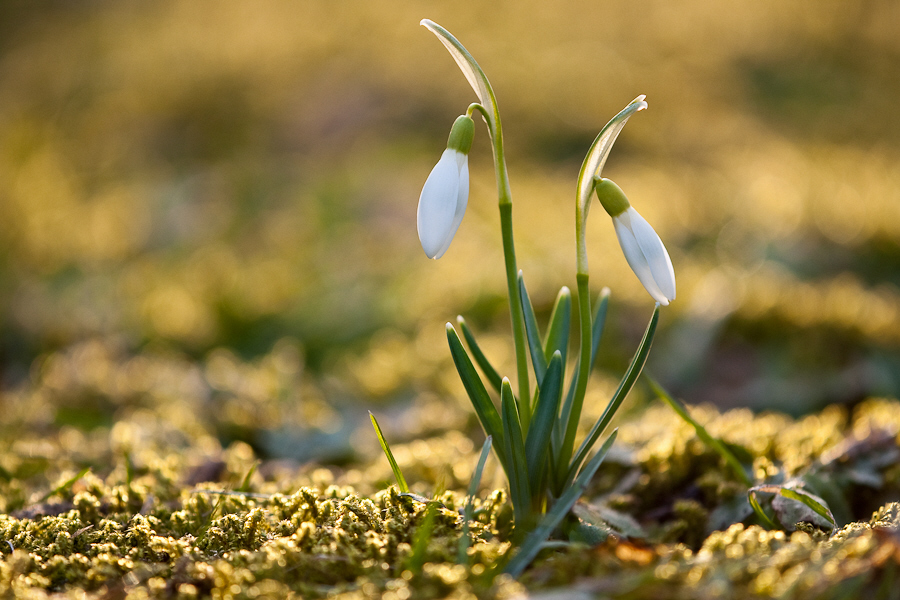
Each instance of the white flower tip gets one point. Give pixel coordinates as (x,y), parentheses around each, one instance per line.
(442,203)
(646,255)
(426,22)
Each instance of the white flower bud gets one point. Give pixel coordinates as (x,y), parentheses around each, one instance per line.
(644,251)
(445,194)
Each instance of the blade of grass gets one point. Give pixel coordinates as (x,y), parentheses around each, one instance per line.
(806,499)
(537,442)
(462,556)
(481,401)
(766,519)
(245,483)
(422,537)
(714,443)
(517,471)
(484,364)
(800,496)
(628,380)
(401,482)
(63,486)
(532,332)
(560,323)
(535,540)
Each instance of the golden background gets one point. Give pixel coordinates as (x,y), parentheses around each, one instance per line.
(218,199)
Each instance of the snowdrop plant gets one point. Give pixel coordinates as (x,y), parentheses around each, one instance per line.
(534,428)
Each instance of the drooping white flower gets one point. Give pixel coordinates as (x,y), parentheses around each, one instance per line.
(644,251)
(445,194)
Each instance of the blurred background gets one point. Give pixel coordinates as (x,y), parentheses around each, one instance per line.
(207,210)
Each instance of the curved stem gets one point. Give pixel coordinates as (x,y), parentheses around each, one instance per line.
(504,196)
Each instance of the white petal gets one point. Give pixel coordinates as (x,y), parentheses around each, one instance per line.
(462,199)
(437,205)
(635,257)
(655,254)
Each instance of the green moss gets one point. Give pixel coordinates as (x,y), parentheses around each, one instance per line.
(155,516)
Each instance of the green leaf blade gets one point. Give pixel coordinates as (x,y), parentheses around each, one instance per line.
(532,544)
(517,471)
(560,322)
(481,401)
(537,442)
(401,481)
(481,359)
(625,385)
(714,443)
(462,556)
(532,332)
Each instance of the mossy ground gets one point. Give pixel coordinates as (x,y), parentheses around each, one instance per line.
(165,511)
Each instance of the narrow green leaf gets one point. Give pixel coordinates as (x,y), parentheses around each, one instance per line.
(535,540)
(63,486)
(766,519)
(484,407)
(484,364)
(628,380)
(479,468)
(422,537)
(596,334)
(822,485)
(517,471)
(714,443)
(401,482)
(537,442)
(560,323)
(810,502)
(462,555)
(531,330)
(245,484)
(800,496)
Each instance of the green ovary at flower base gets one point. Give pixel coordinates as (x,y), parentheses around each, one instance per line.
(644,251)
(445,194)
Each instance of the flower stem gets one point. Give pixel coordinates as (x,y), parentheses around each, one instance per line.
(504,196)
